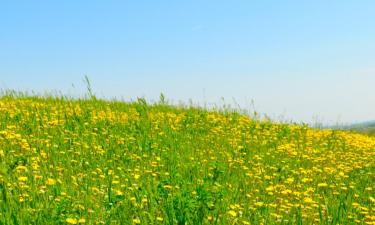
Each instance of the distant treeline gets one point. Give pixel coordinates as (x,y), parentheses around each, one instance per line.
(365,128)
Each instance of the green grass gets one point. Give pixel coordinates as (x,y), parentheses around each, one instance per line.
(101,162)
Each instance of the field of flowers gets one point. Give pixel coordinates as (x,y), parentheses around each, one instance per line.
(65,161)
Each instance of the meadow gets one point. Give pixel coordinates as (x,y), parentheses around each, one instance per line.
(89,161)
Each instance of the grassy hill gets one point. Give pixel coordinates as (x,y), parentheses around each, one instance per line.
(98,162)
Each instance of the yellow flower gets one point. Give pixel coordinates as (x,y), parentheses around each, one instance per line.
(167,186)
(322,185)
(159,218)
(267,177)
(308,200)
(356,205)
(22,179)
(82,220)
(20,168)
(21,198)
(119,193)
(290,180)
(136,221)
(305,180)
(270,188)
(50,182)
(71,220)
(115,182)
(259,204)
(232,213)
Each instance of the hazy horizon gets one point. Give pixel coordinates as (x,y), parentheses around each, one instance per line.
(301,61)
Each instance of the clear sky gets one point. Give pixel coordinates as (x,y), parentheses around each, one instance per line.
(300,60)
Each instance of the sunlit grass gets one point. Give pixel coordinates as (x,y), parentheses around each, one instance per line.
(65,161)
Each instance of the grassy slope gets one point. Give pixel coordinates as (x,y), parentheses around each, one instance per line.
(88,161)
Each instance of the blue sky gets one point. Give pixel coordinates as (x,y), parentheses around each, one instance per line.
(300,60)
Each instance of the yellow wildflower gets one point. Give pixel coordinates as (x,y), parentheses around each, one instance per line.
(50,182)
(21,198)
(322,185)
(71,220)
(22,179)
(308,200)
(168,186)
(232,213)
(259,204)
